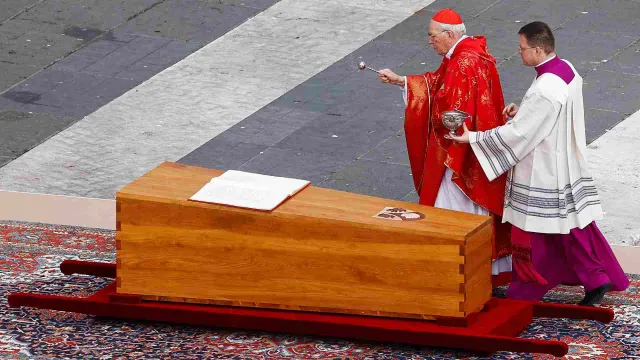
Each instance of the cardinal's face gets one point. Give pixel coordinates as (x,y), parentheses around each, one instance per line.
(440,40)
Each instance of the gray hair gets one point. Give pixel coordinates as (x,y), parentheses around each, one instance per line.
(458,30)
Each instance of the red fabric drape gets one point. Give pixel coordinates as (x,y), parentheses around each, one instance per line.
(469,81)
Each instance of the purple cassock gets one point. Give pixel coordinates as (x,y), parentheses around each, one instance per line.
(583,256)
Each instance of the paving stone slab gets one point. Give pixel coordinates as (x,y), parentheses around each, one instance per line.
(125,56)
(87,55)
(299,117)
(366,87)
(627,61)
(172,52)
(212,149)
(258,4)
(466,9)
(501,22)
(607,90)
(289,102)
(140,71)
(554,13)
(415,29)
(502,36)
(376,54)
(21,44)
(295,164)
(333,74)
(84,33)
(349,139)
(260,119)
(12,8)
(392,150)
(302,93)
(16,102)
(107,90)
(95,14)
(120,36)
(349,99)
(273,133)
(620,17)
(412,31)
(599,122)
(360,91)
(17,27)
(374,119)
(336,95)
(385,180)
(70,101)
(425,61)
(328,121)
(23,97)
(359,85)
(45,80)
(515,79)
(233,158)
(247,128)
(56,92)
(198,20)
(63,83)
(588,50)
(361,94)
(320,140)
(11,74)
(22,131)
(382,54)
(347,109)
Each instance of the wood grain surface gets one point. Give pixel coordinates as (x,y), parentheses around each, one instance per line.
(321,250)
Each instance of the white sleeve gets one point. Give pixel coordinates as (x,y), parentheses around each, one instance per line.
(404,92)
(501,148)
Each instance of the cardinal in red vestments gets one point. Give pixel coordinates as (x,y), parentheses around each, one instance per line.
(446,174)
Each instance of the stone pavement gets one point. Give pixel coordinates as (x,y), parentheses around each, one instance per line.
(614,164)
(280,93)
(191,102)
(61,60)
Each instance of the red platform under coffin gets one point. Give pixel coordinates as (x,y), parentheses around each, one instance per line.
(493,329)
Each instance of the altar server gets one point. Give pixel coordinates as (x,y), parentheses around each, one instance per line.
(551,198)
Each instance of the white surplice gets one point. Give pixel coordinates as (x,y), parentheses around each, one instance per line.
(549,188)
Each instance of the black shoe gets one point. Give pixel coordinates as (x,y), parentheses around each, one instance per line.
(594,296)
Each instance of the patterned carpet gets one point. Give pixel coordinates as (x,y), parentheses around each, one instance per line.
(31,253)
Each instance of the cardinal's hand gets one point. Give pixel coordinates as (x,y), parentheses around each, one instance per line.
(389,77)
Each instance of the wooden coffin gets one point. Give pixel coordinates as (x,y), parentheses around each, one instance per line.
(322,250)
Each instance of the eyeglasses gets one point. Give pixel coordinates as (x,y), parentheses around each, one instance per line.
(434,35)
(521,49)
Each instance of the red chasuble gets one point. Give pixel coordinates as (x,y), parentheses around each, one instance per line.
(469,82)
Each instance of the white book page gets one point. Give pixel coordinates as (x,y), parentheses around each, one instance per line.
(291,186)
(225,192)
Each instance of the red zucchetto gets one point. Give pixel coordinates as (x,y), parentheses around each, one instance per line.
(448,16)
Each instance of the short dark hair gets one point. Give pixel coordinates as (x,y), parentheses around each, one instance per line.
(539,34)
